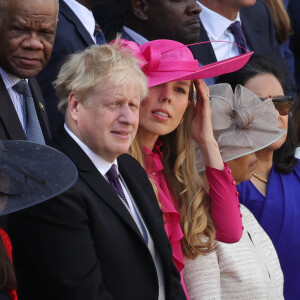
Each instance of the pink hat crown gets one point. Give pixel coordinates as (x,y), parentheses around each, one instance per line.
(166,60)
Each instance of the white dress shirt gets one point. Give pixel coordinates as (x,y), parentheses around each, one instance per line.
(10,80)
(216,27)
(84,15)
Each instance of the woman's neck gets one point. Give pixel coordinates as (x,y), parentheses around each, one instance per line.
(264,162)
(146,138)
(263,167)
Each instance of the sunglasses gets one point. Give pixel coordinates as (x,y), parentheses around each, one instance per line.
(283,104)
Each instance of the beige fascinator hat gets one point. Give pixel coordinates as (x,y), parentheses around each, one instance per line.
(242,123)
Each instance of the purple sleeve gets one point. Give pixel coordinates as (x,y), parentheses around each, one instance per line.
(225,207)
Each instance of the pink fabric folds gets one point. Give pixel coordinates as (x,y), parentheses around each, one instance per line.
(154,169)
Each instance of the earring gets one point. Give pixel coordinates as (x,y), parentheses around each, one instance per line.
(181,121)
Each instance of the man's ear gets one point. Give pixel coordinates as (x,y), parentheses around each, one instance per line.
(73,106)
(140,9)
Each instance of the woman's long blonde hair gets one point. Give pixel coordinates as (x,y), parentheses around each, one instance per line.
(185,183)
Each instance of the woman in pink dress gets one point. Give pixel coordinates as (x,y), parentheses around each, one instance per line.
(170,123)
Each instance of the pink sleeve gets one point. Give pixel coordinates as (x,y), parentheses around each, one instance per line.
(225,207)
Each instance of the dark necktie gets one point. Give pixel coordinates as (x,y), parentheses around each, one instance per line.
(99,36)
(32,125)
(236,30)
(113,178)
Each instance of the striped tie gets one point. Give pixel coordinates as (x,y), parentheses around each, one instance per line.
(32,125)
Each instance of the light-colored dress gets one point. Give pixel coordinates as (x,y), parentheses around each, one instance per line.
(248,269)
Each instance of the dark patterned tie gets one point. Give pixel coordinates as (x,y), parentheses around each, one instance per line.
(236,30)
(113,178)
(32,125)
(99,36)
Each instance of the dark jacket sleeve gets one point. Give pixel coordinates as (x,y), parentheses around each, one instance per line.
(54,253)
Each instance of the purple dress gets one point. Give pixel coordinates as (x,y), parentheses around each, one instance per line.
(279,215)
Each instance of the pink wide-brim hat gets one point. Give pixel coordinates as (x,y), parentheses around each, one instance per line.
(166,60)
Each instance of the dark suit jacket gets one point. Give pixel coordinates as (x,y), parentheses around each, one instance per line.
(110,16)
(71,36)
(260,35)
(84,244)
(10,125)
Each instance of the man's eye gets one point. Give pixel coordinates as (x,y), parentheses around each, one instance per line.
(47,33)
(134,106)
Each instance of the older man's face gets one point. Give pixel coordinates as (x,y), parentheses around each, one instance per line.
(27,35)
(174,19)
(107,121)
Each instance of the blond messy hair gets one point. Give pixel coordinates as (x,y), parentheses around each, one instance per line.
(185,183)
(107,66)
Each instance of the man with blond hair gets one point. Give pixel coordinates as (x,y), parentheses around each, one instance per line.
(104,238)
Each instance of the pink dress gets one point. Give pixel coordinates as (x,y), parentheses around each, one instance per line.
(224,205)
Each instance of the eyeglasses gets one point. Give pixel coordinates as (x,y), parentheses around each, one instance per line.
(283,104)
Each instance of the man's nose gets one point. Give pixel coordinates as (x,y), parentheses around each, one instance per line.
(32,41)
(127,115)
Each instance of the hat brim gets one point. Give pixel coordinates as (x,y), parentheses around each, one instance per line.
(48,164)
(265,141)
(207,71)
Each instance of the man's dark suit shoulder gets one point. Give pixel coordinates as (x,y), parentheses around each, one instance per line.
(71,37)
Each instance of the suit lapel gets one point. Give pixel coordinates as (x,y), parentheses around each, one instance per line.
(9,115)
(144,201)
(91,176)
(40,107)
(126,36)
(255,36)
(204,53)
(71,16)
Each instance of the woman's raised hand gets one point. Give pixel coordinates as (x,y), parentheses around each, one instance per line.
(202,127)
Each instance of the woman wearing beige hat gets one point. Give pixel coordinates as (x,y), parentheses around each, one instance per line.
(248,269)
(272,194)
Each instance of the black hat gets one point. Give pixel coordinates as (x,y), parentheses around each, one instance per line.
(31,173)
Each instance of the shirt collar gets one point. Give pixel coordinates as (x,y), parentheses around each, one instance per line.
(101,164)
(139,39)
(84,15)
(9,79)
(214,23)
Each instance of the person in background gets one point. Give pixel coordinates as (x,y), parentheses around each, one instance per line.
(248,269)
(247,23)
(169,121)
(272,194)
(27,30)
(29,174)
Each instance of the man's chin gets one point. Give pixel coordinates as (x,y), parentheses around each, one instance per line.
(24,72)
